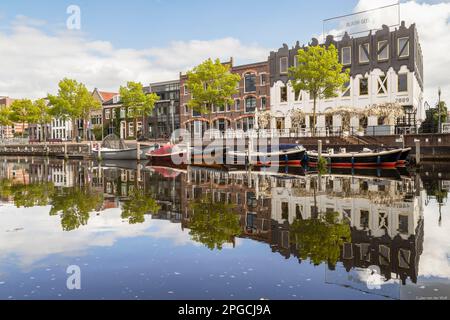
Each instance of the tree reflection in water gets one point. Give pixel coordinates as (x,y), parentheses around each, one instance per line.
(320,239)
(27,195)
(213,223)
(138,205)
(74,205)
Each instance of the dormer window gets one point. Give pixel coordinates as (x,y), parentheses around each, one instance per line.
(116,99)
(364,53)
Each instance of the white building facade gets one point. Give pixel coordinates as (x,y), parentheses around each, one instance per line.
(385,68)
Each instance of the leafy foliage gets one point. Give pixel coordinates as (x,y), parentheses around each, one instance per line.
(211,84)
(318,72)
(213,223)
(138,205)
(320,240)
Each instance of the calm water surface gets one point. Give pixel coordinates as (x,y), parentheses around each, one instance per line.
(141,232)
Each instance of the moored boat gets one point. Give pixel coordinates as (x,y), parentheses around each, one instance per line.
(285,154)
(124,154)
(170,154)
(403,160)
(364,159)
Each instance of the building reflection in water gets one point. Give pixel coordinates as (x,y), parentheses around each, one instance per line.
(346,222)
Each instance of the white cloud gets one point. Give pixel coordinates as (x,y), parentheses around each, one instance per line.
(39,236)
(35,60)
(433,24)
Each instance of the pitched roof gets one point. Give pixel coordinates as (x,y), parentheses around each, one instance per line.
(106,96)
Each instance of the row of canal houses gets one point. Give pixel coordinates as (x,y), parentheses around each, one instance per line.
(386,66)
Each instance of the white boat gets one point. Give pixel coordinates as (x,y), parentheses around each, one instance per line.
(113,148)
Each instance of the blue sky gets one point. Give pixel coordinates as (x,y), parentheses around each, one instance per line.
(154,40)
(144,23)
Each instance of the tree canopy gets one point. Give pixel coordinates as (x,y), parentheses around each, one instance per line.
(211,84)
(213,223)
(319,72)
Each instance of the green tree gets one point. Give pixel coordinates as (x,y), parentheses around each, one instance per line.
(138,205)
(431,123)
(73,101)
(23,111)
(5,116)
(135,99)
(320,73)
(42,115)
(320,239)
(213,223)
(32,195)
(74,205)
(211,84)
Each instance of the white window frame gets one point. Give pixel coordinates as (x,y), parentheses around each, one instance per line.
(287,65)
(349,90)
(342,56)
(368,87)
(235,104)
(407,83)
(368,51)
(378,49)
(287,94)
(261,77)
(185,90)
(130,127)
(399,48)
(108,114)
(245,81)
(382,84)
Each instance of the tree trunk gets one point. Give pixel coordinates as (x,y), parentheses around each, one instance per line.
(314,117)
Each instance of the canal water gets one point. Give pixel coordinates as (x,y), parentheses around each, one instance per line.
(79,230)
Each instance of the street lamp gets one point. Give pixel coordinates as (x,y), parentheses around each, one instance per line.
(439,110)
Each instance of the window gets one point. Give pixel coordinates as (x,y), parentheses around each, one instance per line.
(403,47)
(403,82)
(122,113)
(347,91)
(363,86)
(295,61)
(284,65)
(383,50)
(186,109)
(220,108)
(364,51)
(403,224)
(185,90)
(107,114)
(283,94)
(298,96)
(139,127)
(346,55)
(237,104)
(263,79)
(364,220)
(383,85)
(130,112)
(250,104)
(263,103)
(131,129)
(250,82)
(228,108)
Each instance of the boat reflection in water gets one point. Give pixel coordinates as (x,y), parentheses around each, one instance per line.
(352,224)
